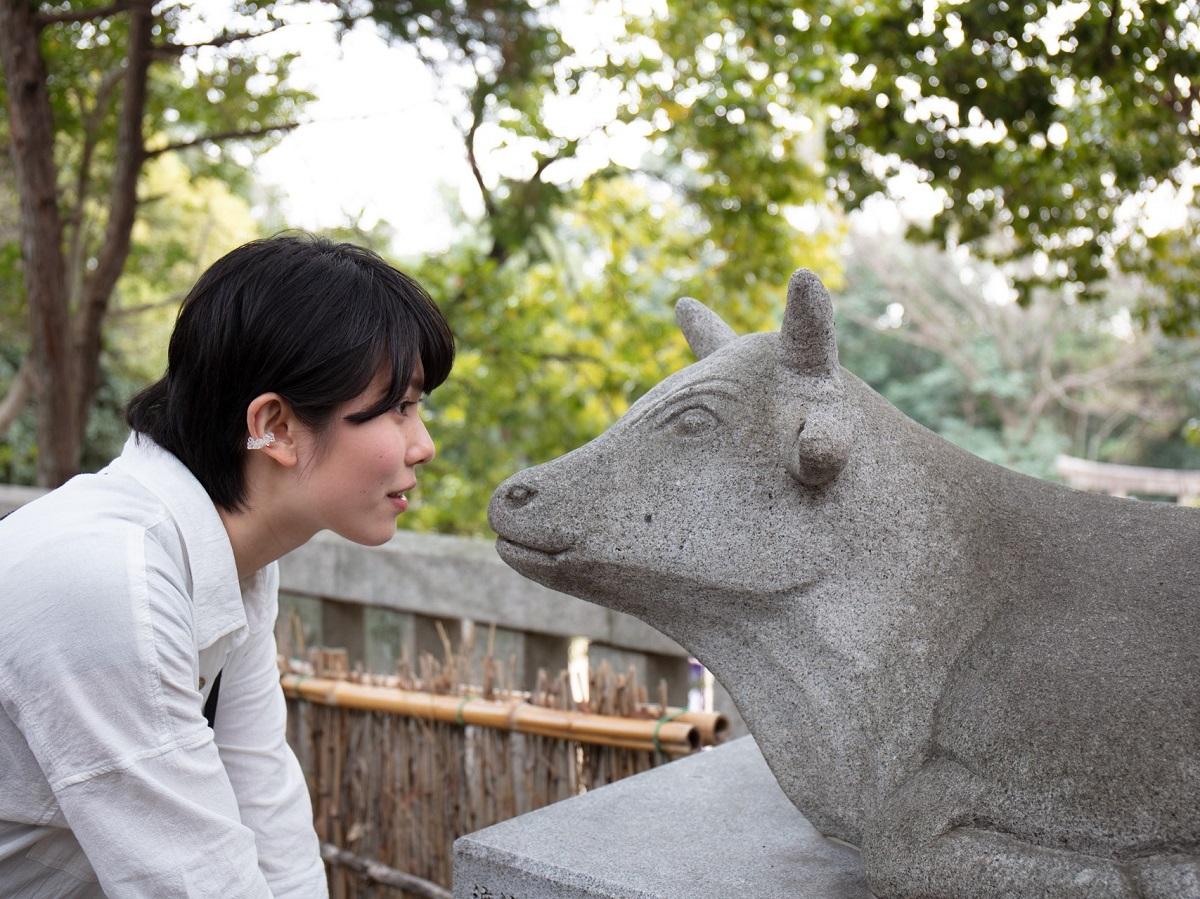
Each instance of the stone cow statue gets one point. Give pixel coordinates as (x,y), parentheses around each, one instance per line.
(988,683)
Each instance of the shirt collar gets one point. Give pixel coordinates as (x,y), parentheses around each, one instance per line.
(221,604)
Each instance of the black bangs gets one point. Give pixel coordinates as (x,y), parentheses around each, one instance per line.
(415,330)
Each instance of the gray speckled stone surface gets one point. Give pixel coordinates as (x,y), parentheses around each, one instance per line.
(711,825)
(988,682)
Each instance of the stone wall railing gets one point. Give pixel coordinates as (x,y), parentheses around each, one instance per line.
(1125,480)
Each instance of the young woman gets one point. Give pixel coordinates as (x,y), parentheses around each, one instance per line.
(142,748)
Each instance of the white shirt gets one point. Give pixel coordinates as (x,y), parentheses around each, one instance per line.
(119,604)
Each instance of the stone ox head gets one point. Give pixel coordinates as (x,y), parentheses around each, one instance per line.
(988,683)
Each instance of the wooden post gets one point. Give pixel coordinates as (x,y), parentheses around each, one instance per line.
(542,651)
(390,637)
(343,625)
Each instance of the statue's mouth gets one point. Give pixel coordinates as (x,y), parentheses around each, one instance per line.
(512,550)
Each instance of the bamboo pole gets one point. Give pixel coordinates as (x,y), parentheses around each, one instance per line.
(713,727)
(673,737)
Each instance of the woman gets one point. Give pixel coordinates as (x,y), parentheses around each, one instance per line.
(142,748)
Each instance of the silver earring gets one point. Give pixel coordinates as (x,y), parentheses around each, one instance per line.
(267,439)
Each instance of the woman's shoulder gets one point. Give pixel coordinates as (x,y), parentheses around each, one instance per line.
(90,570)
(90,508)
(80,538)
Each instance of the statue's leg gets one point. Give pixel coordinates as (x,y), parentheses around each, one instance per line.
(934,839)
(1166,877)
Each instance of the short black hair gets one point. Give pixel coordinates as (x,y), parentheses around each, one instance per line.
(312,320)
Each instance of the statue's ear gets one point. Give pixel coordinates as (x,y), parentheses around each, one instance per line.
(814,420)
(703,328)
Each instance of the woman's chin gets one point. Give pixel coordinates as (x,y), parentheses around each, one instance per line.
(375,535)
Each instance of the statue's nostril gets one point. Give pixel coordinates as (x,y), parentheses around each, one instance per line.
(519,494)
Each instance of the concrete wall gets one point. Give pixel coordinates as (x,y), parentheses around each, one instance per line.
(455,577)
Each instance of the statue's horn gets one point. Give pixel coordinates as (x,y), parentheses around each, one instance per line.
(705,331)
(807,342)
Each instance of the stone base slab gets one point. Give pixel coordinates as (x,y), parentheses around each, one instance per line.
(715,824)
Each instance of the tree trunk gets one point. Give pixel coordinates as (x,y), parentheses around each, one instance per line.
(31,140)
(65,349)
(122,209)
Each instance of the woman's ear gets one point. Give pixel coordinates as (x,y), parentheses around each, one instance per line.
(272,428)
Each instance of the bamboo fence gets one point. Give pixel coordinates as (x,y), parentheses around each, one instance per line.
(400,766)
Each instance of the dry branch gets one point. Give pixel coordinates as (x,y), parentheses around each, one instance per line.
(381,873)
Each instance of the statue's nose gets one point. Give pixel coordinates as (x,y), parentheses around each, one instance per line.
(519,494)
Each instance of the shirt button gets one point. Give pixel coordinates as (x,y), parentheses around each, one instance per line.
(202,683)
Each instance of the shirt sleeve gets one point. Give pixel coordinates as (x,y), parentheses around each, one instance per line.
(267,780)
(109,706)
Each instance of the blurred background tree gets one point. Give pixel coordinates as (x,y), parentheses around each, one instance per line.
(1041,132)
(939,336)
(1035,153)
(95,96)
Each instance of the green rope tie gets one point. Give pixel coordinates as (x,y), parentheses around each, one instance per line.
(661,721)
(458,713)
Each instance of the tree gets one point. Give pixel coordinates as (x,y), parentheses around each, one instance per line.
(942,338)
(184,224)
(1037,129)
(93,94)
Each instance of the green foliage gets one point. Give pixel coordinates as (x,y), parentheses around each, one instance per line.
(555,347)
(562,294)
(1038,131)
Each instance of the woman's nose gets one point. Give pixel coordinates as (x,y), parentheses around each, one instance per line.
(421,448)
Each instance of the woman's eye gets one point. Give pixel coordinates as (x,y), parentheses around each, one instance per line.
(406,406)
(695,420)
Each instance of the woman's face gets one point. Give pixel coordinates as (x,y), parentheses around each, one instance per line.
(357,483)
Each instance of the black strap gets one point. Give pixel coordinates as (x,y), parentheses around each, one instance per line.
(210,705)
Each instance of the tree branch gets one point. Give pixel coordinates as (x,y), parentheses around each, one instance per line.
(223,39)
(221,136)
(80,15)
(83,182)
(477,103)
(19,392)
(122,207)
(544,162)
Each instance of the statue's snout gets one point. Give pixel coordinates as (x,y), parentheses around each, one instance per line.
(512,495)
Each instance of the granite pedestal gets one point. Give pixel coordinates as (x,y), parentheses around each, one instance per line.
(712,825)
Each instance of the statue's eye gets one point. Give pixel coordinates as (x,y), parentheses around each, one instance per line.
(692,421)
